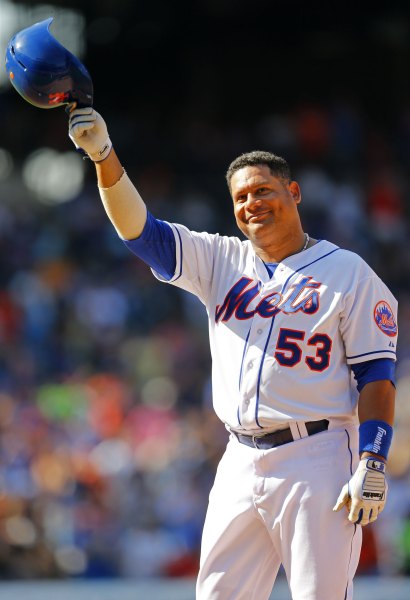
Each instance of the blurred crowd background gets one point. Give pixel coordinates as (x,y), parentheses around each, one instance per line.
(108,441)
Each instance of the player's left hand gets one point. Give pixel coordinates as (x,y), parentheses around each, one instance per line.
(365,494)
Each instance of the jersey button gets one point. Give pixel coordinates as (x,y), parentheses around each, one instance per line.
(260,331)
(250,365)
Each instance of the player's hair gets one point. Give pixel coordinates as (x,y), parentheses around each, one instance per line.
(277,165)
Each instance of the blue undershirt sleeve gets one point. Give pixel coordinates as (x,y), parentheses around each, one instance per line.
(374,370)
(156,246)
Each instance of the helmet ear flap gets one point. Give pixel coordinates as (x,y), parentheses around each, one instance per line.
(44,72)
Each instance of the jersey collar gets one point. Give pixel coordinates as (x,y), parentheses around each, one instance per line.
(294,262)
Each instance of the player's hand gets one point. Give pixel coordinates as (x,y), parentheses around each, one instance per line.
(88,131)
(365,494)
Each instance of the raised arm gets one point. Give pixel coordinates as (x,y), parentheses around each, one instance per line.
(122,202)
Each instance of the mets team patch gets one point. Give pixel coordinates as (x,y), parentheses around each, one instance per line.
(383,315)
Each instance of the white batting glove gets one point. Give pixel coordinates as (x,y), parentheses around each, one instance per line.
(88,131)
(365,494)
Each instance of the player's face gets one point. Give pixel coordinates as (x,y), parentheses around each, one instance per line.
(264,205)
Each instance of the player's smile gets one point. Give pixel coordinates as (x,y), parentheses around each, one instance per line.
(259,216)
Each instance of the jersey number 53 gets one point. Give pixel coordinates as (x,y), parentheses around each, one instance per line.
(288,352)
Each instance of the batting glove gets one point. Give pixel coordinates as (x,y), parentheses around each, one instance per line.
(365,494)
(88,131)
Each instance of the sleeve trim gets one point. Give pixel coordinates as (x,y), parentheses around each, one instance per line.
(376,353)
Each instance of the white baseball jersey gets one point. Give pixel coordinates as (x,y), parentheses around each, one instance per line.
(282,346)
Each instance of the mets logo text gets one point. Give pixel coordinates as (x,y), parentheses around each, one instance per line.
(383,315)
(302,296)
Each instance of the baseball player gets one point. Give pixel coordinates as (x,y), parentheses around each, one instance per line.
(303,338)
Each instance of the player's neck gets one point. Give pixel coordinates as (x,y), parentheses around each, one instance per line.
(278,251)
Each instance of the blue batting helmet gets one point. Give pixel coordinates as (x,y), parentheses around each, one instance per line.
(44,72)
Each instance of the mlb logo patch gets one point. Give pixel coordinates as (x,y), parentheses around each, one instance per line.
(384,318)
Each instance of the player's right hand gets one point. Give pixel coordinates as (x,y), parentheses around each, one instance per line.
(365,494)
(88,131)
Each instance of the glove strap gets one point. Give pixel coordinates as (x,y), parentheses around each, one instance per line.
(376,437)
(103,153)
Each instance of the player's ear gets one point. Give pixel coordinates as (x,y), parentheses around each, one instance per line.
(295,192)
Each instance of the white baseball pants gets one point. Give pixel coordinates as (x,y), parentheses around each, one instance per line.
(273,507)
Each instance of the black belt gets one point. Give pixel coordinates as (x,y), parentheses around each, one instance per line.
(278,438)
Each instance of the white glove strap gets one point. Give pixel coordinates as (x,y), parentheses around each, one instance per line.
(103,152)
(373,484)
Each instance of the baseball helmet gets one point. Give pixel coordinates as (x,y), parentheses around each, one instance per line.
(44,72)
